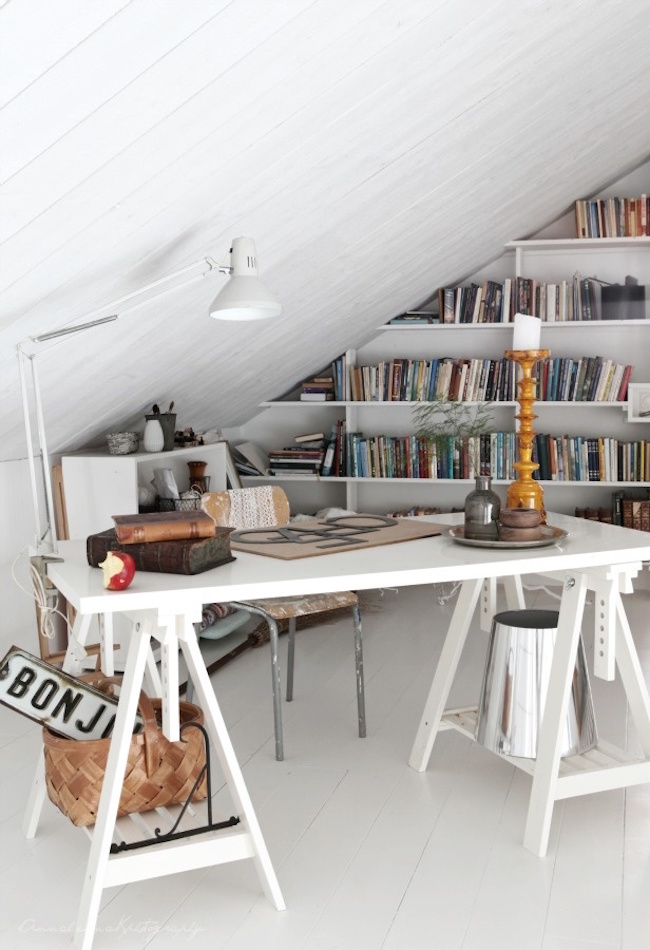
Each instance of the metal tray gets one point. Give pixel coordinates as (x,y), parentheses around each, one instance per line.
(550,535)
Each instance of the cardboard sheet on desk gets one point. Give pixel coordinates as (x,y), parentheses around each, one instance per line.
(350,533)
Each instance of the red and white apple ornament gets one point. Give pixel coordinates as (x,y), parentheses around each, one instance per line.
(119,570)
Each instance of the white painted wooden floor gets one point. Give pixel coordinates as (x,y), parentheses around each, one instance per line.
(369,853)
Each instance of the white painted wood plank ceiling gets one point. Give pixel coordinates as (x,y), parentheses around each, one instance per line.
(374,150)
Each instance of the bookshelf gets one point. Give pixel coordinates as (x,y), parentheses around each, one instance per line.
(625,341)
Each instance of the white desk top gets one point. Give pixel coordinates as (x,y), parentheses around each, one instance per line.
(425,561)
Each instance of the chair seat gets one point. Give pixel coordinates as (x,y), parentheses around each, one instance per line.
(283,608)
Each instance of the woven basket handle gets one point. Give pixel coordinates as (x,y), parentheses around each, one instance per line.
(152,746)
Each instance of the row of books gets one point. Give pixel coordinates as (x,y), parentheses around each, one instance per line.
(613,217)
(406,380)
(577,298)
(604,515)
(560,457)
(577,458)
(354,455)
(635,513)
(625,510)
(460,457)
(489,302)
(586,379)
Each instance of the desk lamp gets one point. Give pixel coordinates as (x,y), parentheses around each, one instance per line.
(244,297)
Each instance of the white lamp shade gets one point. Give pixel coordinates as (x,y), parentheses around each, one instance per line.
(244,297)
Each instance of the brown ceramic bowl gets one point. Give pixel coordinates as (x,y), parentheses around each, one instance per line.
(520,534)
(520,517)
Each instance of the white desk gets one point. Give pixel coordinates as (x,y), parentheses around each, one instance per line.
(596,557)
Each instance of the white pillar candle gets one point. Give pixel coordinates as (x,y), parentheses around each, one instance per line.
(527,332)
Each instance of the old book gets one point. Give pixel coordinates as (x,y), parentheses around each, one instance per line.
(163,526)
(169,557)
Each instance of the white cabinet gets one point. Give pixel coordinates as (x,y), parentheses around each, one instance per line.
(98,485)
(622,340)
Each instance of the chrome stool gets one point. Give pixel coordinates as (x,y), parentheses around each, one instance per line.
(515,684)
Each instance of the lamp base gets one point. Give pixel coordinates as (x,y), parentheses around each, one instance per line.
(526,494)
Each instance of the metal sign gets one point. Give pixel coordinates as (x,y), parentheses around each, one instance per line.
(63,703)
(339,532)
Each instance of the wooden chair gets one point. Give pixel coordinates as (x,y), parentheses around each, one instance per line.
(268,506)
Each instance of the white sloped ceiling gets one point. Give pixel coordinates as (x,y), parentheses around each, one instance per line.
(374,149)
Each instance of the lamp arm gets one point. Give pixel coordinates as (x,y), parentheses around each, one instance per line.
(119,309)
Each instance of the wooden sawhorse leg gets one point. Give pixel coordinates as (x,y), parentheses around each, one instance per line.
(444,675)
(72,663)
(243,841)
(225,753)
(547,764)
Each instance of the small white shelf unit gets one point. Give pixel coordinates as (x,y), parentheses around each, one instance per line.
(98,485)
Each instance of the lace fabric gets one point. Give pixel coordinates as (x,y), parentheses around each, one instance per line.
(252,508)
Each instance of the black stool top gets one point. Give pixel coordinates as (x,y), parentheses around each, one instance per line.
(528,619)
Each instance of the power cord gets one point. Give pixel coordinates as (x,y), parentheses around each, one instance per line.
(44,594)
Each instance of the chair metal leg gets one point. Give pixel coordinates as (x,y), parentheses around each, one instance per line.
(290,658)
(275,674)
(358,660)
(277,689)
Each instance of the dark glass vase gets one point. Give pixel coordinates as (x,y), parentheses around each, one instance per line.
(482,507)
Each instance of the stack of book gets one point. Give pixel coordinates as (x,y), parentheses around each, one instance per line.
(295,461)
(415,318)
(172,542)
(317,389)
(303,458)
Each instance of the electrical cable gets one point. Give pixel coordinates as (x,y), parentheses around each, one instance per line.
(46,601)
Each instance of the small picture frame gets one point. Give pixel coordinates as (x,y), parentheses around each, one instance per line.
(638,402)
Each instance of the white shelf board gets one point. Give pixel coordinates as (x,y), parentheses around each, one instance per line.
(604,767)
(558,244)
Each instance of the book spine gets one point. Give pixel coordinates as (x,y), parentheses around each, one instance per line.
(165,531)
(169,557)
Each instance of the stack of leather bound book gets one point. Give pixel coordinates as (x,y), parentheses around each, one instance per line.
(172,542)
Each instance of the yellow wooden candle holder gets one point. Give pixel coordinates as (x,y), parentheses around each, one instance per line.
(525,491)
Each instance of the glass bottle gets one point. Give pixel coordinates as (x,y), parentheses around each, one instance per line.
(482,507)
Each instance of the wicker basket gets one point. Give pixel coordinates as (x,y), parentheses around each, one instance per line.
(158,772)
(191,503)
(123,443)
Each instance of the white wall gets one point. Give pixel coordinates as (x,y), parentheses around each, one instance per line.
(17,531)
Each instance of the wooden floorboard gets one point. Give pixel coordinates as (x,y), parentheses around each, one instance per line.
(370,854)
